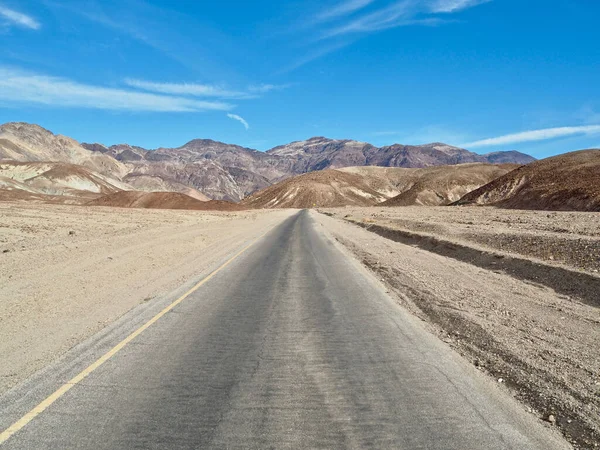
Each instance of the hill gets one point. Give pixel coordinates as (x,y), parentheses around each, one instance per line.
(321,153)
(217,170)
(436,186)
(317,189)
(566,182)
(367,186)
(161,200)
(25,142)
(53,179)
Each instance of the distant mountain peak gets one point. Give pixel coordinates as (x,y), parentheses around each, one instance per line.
(227,171)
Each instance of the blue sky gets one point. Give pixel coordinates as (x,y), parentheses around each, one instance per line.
(487,75)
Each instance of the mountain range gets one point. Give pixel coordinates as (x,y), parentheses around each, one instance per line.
(223,171)
(371,185)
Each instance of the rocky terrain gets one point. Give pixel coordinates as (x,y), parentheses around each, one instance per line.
(370,185)
(430,186)
(515,292)
(161,200)
(321,153)
(566,182)
(322,188)
(25,142)
(54,182)
(222,171)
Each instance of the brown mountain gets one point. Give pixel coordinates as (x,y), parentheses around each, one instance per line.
(367,186)
(37,180)
(316,189)
(161,200)
(29,143)
(232,172)
(321,153)
(434,186)
(566,182)
(219,170)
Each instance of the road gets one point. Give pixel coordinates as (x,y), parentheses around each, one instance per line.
(291,345)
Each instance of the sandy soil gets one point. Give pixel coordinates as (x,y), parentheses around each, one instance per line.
(534,325)
(570,239)
(68,271)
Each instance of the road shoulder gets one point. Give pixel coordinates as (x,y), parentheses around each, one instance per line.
(535,342)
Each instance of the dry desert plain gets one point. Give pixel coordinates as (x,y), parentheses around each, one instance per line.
(515,292)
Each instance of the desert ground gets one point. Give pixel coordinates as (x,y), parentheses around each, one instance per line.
(68,271)
(515,292)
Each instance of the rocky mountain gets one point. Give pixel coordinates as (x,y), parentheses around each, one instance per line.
(221,171)
(566,182)
(29,143)
(316,189)
(371,185)
(442,185)
(321,153)
(208,169)
(39,179)
(161,200)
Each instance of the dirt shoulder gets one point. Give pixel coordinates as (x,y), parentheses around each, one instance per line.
(570,239)
(540,342)
(68,271)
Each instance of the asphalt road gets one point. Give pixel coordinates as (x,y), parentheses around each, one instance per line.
(292,345)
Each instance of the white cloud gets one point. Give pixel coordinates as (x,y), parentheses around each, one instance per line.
(391,16)
(342,9)
(319,53)
(450,6)
(192,89)
(264,88)
(204,90)
(402,13)
(17,86)
(535,135)
(239,119)
(17,18)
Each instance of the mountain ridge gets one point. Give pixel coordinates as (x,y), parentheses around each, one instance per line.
(225,171)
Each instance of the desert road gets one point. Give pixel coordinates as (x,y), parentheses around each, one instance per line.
(293,344)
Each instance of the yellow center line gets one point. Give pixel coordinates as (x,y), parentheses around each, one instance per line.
(42,406)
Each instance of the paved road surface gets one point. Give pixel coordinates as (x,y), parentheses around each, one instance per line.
(293,345)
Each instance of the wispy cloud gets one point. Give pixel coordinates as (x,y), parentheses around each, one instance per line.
(316,54)
(450,6)
(192,89)
(342,9)
(401,13)
(239,119)
(348,21)
(17,18)
(264,88)
(535,135)
(18,86)
(204,90)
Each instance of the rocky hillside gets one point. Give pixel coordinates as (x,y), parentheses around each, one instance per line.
(566,182)
(30,143)
(161,200)
(209,169)
(321,153)
(437,186)
(327,188)
(21,179)
(367,186)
